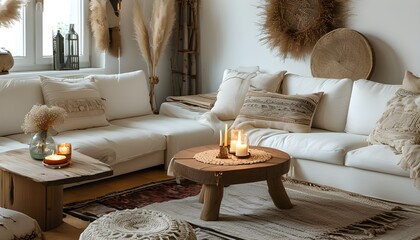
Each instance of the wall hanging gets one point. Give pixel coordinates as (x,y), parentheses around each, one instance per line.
(105,24)
(292,27)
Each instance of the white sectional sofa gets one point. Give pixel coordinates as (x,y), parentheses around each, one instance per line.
(336,152)
(134,137)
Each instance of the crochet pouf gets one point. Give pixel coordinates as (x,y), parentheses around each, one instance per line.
(16,225)
(138,224)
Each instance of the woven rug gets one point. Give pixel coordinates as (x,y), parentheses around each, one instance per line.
(247,212)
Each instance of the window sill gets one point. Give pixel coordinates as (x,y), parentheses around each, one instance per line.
(57,73)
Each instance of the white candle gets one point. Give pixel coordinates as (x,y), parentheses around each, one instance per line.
(226,132)
(241,145)
(220,141)
(232,148)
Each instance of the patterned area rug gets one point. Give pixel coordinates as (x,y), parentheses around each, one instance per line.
(247,212)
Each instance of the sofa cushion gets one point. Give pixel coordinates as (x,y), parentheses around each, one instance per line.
(367,103)
(332,110)
(7,144)
(293,113)
(17,96)
(110,144)
(79,97)
(231,95)
(378,158)
(399,124)
(126,94)
(319,145)
(180,133)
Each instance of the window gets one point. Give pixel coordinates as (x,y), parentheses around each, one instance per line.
(30,39)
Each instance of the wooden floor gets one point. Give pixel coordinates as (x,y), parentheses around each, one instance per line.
(72,227)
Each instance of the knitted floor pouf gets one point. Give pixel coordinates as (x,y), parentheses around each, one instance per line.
(138,224)
(16,226)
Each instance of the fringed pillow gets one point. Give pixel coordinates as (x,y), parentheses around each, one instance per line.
(293,113)
(400,123)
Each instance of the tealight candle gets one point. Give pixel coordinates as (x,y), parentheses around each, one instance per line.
(64,149)
(242,145)
(55,159)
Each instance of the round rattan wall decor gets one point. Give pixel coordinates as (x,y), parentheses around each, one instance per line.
(342,53)
(292,27)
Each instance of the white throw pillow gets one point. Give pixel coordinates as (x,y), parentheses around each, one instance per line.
(231,95)
(367,103)
(79,97)
(332,110)
(126,94)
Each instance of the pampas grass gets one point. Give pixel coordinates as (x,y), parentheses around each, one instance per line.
(42,117)
(99,24)
(9,12)
(290,39)
(152,45)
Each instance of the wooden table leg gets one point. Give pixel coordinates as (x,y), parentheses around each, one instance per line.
(202,193)
(43,203)
(278,193)
(212,199)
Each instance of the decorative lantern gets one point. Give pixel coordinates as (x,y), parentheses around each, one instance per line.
(66,50)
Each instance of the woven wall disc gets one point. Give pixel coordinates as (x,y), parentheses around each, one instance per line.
(342,53)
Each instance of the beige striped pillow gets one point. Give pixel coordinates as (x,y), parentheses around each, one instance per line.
(293,113)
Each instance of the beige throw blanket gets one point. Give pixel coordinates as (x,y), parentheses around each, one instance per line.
(205,101)
(410,161)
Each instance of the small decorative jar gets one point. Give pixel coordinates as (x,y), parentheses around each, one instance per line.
(6,61)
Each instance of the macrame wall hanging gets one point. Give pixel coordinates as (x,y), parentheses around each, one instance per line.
(10,12)
(292,27)
(105,24)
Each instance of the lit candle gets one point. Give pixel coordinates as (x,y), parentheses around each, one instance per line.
(64,149)
(55,159)
(226,133)
(241,145)
(233,139)
(220,141)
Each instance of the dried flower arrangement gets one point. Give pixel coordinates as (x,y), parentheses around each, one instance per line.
(294,26)
(42,117)
(10,12)
(152,45)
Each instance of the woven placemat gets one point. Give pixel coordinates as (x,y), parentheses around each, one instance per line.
(342,53)
(209,157)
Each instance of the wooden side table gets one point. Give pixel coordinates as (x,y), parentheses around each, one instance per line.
(215,177)
(31,188)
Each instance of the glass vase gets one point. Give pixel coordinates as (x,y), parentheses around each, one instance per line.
(41,145)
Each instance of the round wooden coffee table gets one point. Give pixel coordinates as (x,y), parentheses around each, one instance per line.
(215,177)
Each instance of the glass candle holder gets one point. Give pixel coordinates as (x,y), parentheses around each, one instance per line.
(242,149)
(234,139)
(64,149)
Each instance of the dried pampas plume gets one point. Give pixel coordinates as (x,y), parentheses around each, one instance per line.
(292,27)
(99,24)
(152,45)
(9,12)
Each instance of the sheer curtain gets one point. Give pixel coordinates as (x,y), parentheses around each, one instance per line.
(186,48)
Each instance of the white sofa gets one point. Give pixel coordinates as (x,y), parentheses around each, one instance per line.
(336,152)
(135,138)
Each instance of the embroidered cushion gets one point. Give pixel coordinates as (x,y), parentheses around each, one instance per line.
(400,123)
(293,113)
(79,97)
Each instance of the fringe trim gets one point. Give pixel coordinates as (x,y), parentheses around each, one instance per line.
(410,162)
(368,228)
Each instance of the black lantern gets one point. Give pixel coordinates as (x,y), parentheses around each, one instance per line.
(66,50)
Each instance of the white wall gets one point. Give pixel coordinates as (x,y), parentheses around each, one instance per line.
(230,38)
(131,58)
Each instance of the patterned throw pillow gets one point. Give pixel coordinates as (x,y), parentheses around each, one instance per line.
(293,113)
(79,97)
(400,123)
